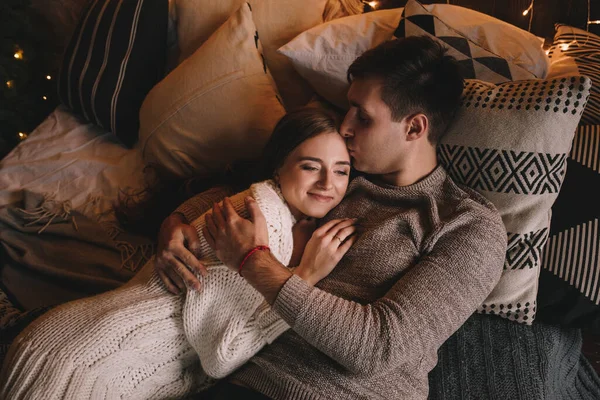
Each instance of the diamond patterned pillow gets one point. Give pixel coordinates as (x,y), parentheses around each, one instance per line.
(578,50)
(510,143)
(570,279)
(476,61)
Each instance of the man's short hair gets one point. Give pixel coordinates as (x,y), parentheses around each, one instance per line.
(418,77)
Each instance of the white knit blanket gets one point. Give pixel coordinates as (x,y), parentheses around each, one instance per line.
(140,342)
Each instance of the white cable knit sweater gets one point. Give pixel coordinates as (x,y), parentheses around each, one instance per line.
(140,342)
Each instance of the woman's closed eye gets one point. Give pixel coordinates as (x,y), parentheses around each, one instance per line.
(343,172)
(309,167)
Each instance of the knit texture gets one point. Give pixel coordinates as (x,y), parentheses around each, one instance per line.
(141,342)
(427,255)
(493,358)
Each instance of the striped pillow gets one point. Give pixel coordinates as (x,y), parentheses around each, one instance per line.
(575,51)
(569,291)
(116,55)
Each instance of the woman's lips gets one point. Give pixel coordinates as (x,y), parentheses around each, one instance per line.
(320,197)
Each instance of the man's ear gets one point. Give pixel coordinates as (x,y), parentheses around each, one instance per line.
(418,126)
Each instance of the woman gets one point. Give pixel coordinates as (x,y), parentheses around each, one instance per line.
(139,341)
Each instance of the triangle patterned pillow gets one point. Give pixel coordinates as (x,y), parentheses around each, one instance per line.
(476,61)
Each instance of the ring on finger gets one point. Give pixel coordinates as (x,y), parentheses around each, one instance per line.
(338,238)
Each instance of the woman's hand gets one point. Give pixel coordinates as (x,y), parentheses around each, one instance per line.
(325,249)
(302,232)
(177,255)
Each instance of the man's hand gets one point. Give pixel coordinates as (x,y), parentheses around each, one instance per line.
(325,249)
(231,236)
(174,259)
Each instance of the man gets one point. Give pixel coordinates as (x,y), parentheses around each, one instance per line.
(428,255)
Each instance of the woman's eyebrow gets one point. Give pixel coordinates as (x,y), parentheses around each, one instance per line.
(315,159)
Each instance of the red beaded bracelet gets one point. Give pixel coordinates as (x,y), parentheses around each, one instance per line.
(254,250)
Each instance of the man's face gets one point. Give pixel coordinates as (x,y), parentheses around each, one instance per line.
(375,142)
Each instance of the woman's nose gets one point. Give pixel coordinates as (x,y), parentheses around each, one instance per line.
(326,180)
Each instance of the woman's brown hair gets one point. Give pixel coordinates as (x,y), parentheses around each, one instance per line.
(143,212)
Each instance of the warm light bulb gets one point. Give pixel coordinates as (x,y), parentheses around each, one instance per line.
(596,22)
(19,55)
(373,4)
(9,84)
(44,97)
(48,77)
(526,12)
(22,135)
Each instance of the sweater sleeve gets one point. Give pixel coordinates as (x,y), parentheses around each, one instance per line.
(195,206)
(421,310)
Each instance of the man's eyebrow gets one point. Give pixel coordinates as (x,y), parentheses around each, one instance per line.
(359,106)
(315,159)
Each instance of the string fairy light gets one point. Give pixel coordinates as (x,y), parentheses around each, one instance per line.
(589,21)
(18,54)
(22,135)
(529,11)
(373,4)
(10,84)
(44,97)
(48,77)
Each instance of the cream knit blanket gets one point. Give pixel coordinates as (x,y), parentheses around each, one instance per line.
(140,342)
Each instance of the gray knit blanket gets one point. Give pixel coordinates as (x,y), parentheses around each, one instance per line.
(493,358)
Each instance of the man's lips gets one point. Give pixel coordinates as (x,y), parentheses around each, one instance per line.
(320,197)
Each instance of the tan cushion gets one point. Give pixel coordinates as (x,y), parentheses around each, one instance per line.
(218,106)
(277,22)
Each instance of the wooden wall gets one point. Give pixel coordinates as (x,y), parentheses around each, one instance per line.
(546,12)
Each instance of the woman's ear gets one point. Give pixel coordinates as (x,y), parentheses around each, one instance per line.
(418,126)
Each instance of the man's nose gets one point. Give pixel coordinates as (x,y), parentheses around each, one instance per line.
(345,128)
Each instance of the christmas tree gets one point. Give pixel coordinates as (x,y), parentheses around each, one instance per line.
(27,76)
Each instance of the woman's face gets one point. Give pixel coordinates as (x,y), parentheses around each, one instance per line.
(314,177)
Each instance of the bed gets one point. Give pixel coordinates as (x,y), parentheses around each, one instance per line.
(194,62)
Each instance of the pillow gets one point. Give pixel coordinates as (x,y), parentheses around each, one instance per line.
(116,55)
(510,143)
(277,22)
(323,54)
(570,279)
(216,107)
(579,50)
(476,61)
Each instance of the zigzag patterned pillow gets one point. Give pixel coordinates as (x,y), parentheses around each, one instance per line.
(578,50)
(510,143)
(570,279)
(476,61)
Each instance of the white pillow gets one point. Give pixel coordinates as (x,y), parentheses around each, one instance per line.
(216,107)
(277,22)
(323,54)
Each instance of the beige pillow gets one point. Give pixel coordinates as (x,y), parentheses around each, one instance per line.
(218,106)
(323,54)
(277,22)
(510,142)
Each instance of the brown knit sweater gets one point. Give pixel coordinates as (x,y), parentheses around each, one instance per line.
(427,256)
